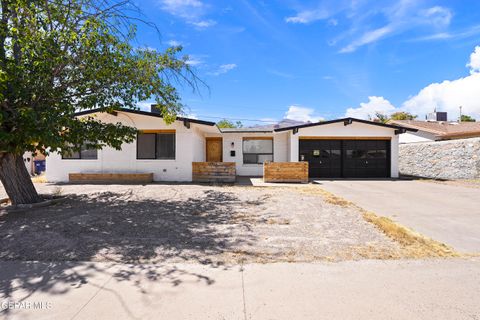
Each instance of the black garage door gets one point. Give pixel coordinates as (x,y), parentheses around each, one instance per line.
(346,158)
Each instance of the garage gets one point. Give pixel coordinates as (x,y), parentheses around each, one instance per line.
(346,158)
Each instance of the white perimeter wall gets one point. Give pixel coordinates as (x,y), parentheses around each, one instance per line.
(189,147)
(355,129)
(413,137)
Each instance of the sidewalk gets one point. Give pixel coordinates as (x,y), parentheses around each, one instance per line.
(428,289)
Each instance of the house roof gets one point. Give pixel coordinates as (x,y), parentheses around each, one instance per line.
(269,128)
(441,129)
(347,120)
(246,130)
(145,113)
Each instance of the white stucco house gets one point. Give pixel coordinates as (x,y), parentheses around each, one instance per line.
(340,148)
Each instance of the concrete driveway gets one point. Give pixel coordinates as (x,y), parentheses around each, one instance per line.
(446,213)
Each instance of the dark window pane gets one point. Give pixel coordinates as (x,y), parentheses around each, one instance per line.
(335,154)
(249,158)
(146,146)
(165,146)
(325,154)
(86,153)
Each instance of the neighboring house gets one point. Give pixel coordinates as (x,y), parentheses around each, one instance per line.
(429,131)
(439,149)
(338,148)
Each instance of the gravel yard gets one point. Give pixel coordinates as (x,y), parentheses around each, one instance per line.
(189,223)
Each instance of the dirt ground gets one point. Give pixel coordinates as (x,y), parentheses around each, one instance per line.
(189,223)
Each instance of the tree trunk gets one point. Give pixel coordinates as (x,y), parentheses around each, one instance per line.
(16,180)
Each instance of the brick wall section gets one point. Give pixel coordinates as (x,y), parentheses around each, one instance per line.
(453,159)
(285,172)
(213,172)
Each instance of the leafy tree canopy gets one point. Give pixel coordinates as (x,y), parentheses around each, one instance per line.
(401,115)
(381,117)
(465,118)
(58,57)
(229,124)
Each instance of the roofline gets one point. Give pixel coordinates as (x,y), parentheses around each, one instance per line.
(144,113)
(349,119)
(246,131)
(419,128)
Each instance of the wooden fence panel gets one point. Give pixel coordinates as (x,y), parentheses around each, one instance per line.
(285,172)
(213,172)
(110,177)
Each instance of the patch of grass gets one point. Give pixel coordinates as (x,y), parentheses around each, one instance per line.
(413,244)
(327,196)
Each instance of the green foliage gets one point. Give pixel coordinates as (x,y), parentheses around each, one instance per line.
(380,117)
(402,116)
(58,57)
(465,118)
(229,124)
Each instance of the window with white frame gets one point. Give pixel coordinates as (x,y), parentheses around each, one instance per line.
(257,150)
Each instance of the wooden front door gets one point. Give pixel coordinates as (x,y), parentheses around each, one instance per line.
(214,149)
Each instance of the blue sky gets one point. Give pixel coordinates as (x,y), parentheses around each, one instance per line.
(310,60)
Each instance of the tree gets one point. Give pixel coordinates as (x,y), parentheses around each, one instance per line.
(402,115)
(465,118)
(229,124)
(58,57)
(381,117)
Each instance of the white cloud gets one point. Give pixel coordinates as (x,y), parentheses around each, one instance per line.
(368,37)
(448,96)
(203,23)
(401,17)
(196,60)
(174,43)
(368,109)
(302,114)
(474,63)
(191,11)
(437,16)
(224,68)
(182,8)
(308,16)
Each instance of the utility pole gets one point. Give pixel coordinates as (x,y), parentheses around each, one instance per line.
(460,118)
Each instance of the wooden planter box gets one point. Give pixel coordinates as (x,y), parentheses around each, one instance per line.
(110,177)
(213,172)
(285,172)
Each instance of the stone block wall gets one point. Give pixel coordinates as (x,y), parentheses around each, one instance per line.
(452,159)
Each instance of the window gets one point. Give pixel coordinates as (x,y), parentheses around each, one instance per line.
(257,150)
(156,146)
(84,153)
